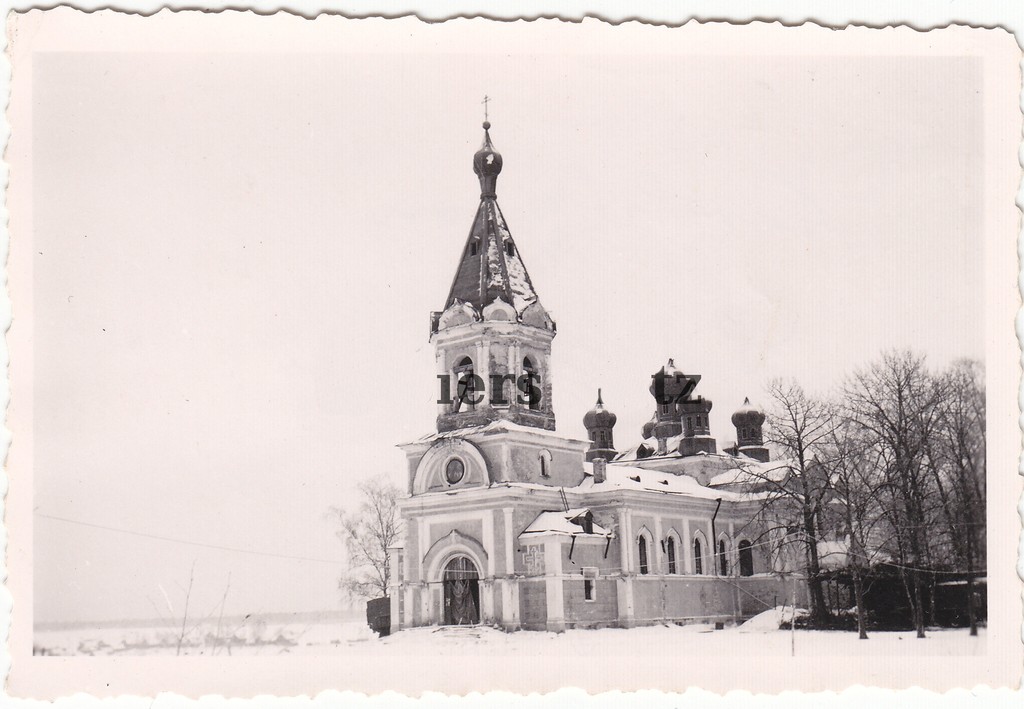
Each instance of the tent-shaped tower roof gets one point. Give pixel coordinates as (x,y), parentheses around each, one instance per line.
(490,266)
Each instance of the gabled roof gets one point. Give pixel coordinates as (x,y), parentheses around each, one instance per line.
(568,523)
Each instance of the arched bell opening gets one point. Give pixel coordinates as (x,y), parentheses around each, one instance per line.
(531,388)
(465,386)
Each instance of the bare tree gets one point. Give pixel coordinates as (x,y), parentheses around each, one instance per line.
(369,533)
(957,454)
(855,483)
(794,491)
(896,465)
(895,404)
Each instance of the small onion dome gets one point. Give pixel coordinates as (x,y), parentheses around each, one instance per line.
(747,415)
(675,382)
(648,430)
(487,164)
(599,417)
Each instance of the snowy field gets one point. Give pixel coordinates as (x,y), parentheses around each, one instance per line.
(248,636)
(759,636)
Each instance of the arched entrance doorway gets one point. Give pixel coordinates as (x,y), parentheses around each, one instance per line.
(461,592)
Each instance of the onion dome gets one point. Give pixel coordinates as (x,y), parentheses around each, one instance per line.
(648,429)
(599,417)
(675,383)
(487,164)
(748,415)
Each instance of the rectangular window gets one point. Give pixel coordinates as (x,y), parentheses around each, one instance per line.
(588,590)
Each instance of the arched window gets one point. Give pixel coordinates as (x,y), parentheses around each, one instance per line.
(746,558)
(644,566)
(723,560)
(530,373)
(698,557)
(465,389)
(670,552)
(545,463)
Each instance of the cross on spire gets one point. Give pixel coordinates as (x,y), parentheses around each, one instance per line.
(487,99)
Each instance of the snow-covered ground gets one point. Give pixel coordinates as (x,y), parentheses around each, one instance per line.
(654,640)
(249,637)
(760,636)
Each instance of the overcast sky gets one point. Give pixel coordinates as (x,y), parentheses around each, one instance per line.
(237,256)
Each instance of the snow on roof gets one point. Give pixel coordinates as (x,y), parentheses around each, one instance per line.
(751,471)
(626,477)
(518,280)
(671,445)
(569,522)
(963,582)
(495,272)
(500,425)
(629,477)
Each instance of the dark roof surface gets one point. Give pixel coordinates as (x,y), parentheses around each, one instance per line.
(490,266)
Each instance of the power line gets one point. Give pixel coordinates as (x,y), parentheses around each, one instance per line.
(332,561)
(186,541)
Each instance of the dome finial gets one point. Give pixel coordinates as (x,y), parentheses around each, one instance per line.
(487,161)
(487,121)
(600,418)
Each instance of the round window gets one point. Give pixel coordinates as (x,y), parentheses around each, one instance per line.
(454,471)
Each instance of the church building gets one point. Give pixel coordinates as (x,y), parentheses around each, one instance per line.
(508,523)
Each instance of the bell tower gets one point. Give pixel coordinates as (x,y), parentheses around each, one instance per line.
(492,341)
